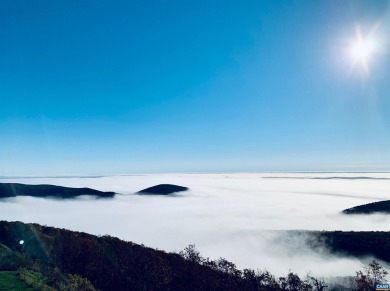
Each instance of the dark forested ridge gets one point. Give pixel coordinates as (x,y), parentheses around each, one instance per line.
(162,189)
(358,244)
(370,208)
(355,244)
(8,190)
(108,263)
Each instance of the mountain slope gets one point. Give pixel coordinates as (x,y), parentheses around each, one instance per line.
(110,263)
(370,208)
(8,190)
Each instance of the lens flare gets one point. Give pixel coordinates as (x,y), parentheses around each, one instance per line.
(363,48)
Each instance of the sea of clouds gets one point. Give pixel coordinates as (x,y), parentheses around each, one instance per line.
(224,215)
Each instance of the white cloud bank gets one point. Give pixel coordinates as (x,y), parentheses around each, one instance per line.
(223,214)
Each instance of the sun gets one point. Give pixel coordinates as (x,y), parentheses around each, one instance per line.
(363,48)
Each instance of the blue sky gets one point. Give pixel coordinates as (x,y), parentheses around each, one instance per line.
(102,87)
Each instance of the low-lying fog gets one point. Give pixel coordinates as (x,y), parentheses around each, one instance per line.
(222,214)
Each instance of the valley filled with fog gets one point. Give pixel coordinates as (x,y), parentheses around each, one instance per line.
(224,215)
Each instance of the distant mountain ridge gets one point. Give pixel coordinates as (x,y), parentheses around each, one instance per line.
(162,189)
(370,208)
(9,190)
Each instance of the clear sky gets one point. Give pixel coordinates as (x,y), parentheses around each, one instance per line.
(102,87)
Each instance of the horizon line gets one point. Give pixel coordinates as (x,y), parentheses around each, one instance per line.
(185,172)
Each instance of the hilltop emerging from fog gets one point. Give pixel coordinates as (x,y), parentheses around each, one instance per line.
(370,208)
(162,189)
(9,190)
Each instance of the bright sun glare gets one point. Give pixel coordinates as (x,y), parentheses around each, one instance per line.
(363,48)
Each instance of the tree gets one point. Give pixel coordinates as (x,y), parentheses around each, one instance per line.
(228,267)
(190,253)
(267,280)
(372,274)
(292,282)
(251,278)
(76,282)
(318,284)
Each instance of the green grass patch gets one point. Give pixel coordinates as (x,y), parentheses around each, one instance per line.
(10,281)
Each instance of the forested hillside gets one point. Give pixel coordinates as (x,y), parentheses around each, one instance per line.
(67,260)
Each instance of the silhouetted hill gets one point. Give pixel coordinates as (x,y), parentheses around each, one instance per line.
(8,190)
(108,263)
(375,207)
(162,189)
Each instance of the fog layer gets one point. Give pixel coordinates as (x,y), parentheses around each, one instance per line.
(224,215)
